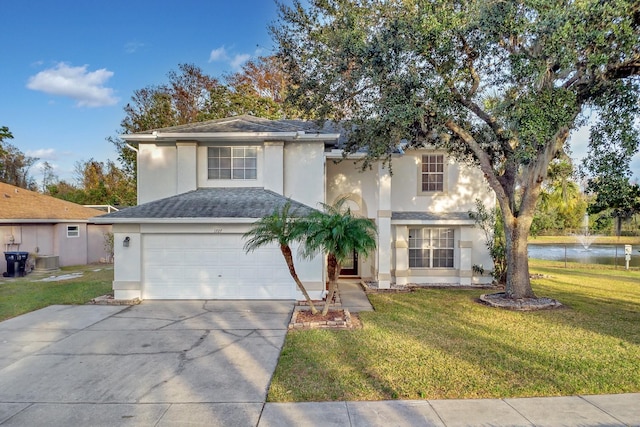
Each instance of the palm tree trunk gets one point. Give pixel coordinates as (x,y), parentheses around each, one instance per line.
(288,257)
(332,272)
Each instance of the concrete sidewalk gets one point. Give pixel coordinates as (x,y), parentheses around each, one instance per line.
(352,296)
(603,410)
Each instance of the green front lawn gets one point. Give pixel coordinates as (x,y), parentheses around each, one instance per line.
(24,294)
(441,343)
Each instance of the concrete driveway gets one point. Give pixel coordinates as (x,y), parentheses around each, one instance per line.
(159,363)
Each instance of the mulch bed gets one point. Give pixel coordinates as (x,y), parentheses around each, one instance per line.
(500,300)
(334,319)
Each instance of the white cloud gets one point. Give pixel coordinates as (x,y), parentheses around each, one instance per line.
(43,153)
(219,54)
(238,60)
(132,47)
(40,167)
(86,87)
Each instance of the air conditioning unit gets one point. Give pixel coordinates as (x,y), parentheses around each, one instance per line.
(47,262)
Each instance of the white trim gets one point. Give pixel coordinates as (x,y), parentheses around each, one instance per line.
(76,232)
(458,222)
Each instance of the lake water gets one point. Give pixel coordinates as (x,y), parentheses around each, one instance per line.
(596,254)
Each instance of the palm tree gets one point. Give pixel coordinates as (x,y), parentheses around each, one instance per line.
(338,233)
(279,227)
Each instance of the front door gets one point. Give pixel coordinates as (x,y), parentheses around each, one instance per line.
(350,266)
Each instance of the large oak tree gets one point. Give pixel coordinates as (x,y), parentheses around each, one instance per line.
(498,83)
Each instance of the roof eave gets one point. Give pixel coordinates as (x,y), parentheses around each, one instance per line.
(433,222)
(240,136)
(198,220)
(42,220)
(338,153)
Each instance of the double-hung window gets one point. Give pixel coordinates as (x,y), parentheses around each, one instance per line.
(232,162)
(432,174)
(431,247)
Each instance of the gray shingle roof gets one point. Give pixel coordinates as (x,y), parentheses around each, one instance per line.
(244,123)
(430,216)
(250,202)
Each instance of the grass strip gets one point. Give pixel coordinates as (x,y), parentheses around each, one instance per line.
(29,293)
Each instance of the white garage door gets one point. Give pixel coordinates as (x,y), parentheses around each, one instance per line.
(212,266)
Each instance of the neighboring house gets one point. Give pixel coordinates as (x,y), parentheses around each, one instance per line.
(202,185)
(48,228)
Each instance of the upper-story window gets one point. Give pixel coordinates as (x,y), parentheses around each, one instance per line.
(432,172)
(232,162)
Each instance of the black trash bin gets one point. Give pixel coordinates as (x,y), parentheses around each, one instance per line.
(16,263)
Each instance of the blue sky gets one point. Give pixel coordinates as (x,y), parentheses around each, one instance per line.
(69,67)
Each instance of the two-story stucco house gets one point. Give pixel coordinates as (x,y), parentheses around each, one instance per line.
(202,185)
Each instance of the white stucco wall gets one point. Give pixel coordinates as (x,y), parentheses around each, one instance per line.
(127,261)
(304,172)
(346,179)
(157,168)
(463,185)
(96,251)
(186,167)
(273,173)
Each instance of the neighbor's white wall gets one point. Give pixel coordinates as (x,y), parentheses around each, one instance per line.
(32,238)
(70,250)
(304,172)
(157,168)
(51,239)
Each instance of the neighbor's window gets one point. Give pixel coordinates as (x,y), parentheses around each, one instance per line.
(232,162)
(431,247)
(432,172)
(73,231)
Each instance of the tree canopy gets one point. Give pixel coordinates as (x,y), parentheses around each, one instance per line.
(191,96)
(497,83)
(14,164)
(96,183)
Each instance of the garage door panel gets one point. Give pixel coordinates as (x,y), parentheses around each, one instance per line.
(180,266)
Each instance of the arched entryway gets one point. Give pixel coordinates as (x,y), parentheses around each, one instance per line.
(358,207)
